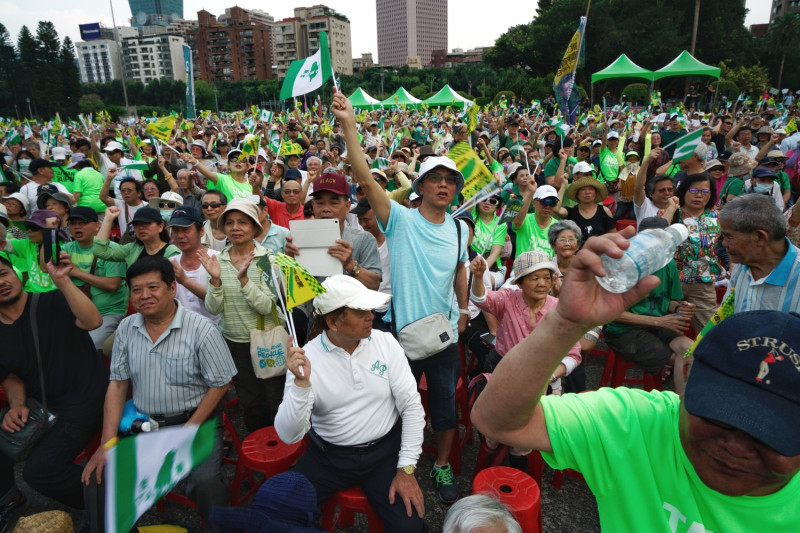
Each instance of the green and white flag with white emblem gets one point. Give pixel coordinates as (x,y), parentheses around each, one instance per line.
(685,146)
(306,75)
(141,469)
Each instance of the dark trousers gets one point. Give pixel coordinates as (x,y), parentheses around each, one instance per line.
(441,371)
(258,398)
(49,468)
(373,469)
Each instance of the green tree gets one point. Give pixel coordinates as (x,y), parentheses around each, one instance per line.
(28,62)
(48,94)
(9,66)
(784,35)
(753,79)
(70,78)
(90,103)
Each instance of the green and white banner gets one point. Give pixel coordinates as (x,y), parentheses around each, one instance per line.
(189,68)
(141,469)
(306,75)
(685,146)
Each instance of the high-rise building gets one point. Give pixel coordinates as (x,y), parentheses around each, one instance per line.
(155,12)
(258,16)
(783,7)
(181,26)
(153,55)
(410,29)
(298,37)
(237,50)
(99,61)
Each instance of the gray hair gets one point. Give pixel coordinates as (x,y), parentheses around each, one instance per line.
(479,511)
(183,172)
(558,227)
(750,212)
(701,151)
(313,158)
(3,232)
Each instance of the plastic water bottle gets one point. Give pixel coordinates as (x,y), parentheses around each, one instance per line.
(141,425)
(649,251)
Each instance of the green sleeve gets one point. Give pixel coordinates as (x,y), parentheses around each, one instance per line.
(783,180)
(111,251)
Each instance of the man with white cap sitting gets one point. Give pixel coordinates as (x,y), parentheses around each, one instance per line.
(351,389)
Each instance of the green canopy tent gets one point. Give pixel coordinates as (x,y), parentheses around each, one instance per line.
(448,97)
(362,100)
(686,65)
(622,67)
(401,97)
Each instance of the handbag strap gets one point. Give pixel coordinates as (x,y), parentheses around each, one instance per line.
(275,319)
(393,324)
(35,330)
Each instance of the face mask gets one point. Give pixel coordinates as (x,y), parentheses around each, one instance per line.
(166,214)
(763,188)
(419,129)
(23,163)
(506,165)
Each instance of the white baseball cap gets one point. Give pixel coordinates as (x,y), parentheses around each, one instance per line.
(168,196)
(612,135)
(438,161)
(59,153)
(346,291)
(583,167)
(545,191)
(113,146)
(21,198)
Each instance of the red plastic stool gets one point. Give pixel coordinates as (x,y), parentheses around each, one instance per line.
(349,501)
(558,477)
(463,420)
(517,490)
(619,377)
(263,452)
(3,399)
(535,461)
(624,223)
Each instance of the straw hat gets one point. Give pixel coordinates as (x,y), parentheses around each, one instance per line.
(587,181)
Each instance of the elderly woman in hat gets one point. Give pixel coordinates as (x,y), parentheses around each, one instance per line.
(237,292)
(518,313)
(591,216)
(739,168)
(351,389)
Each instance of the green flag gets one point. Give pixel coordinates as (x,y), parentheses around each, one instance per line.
(685,146)
(306,75)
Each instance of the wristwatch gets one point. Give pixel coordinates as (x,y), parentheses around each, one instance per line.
(409,469)
(355,271)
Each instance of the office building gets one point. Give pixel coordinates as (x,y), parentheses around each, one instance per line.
(151,56)
(239,49)
(409,30)
(181,27)
(155,12)
(298,37)
(783,7)
(98,61)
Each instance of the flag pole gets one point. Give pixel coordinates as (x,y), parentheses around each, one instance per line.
(494,227)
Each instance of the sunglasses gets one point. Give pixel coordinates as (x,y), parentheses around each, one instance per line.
(549,202)
(168,205)
(32,227)
(211,205)
(437,178)
(493,201)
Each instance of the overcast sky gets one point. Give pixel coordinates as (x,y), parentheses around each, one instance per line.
(472,23)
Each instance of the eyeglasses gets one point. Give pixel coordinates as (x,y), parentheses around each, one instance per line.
(211,205)
(493,201)
(728,123)
(549,202)
(32,227)
(437,178)
(169,205)
(704,192)
(565,240)
(291,191)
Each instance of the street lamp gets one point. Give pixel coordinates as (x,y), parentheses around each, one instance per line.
(30,113)
(432,80)
(382,74)
(469,84)
(216,103)
(17,110)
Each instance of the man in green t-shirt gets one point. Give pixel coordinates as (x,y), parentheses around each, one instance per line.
(724,456)
(532,230)
(650,332)
(105,279)
(25,253)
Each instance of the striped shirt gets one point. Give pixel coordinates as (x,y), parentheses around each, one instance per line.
(240,306)
(778,291)
(173,374)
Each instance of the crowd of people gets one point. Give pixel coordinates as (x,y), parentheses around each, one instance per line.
(146,257)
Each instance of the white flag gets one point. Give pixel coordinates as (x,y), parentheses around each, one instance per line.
(306,75)
(685,146)
(141,469)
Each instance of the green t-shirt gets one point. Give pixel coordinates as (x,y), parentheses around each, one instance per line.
(783,180)
(734,185)
(552,165)
(609,165)
(27,262)
(485,238)
(626,443)
(657,302)
(89,182)
(230,187)
(108,303)
(66,177)
(530,237)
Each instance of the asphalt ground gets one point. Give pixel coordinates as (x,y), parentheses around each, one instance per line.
(572,509)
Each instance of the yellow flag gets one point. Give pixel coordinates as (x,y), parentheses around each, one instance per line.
(476,175)
(161,129)
(250,147)
(301,286)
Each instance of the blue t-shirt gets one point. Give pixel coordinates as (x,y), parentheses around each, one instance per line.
(423,265)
